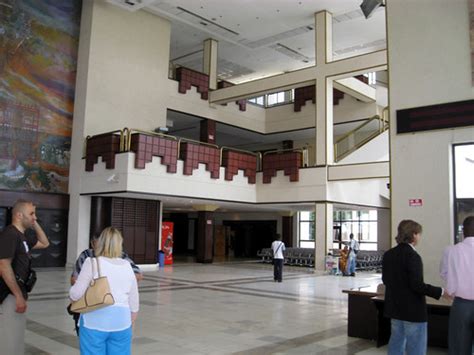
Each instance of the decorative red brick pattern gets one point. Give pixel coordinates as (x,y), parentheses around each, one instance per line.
(289,162)
(188,77)
(242,103)
(235,161)
(146,147)
(105,145)
(306,93)
(192,154)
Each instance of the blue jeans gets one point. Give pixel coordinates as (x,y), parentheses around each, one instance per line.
(409,336)
(96,342)
(278,269)
(461,320)
(351,265)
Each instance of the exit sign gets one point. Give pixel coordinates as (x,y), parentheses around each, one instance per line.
(415,202)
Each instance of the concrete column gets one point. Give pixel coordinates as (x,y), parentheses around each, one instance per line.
(208,131)
(324,91)
(324,233)
(210,62)
(205,237)
(383,230)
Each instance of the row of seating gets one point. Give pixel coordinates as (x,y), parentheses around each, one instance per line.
(369,260)
(366,259)
(293,256)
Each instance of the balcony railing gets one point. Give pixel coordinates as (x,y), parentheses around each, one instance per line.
(354,139)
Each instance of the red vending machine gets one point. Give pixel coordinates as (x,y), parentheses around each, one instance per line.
(167,241)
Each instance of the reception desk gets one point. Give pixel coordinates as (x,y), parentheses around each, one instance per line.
(365,317)
(362,313)
(438,320)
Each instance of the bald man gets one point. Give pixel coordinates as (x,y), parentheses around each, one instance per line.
(15,274)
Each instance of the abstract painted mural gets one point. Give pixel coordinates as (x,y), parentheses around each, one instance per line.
(471,28)
(38,59)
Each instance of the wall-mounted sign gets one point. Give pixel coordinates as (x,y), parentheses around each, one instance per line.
(415,202)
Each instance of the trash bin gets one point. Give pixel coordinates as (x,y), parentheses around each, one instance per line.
(161,258)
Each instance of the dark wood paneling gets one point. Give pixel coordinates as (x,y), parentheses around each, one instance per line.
(138,221)
(287,230)
(450,115)
(205,239)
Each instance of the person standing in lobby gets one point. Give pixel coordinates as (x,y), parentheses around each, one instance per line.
(456,271)
(108,330)
(405,291)
(16,275)
(353,250)
(278,247)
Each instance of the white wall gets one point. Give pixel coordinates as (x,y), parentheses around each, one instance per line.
(429,63)
(383,229)
(374,150)
(128,64)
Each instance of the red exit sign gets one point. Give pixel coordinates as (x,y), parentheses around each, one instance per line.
(415,202)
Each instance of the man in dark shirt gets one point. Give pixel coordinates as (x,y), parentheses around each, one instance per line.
(15,268)
(405,291)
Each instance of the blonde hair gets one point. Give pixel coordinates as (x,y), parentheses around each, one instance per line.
(109,243)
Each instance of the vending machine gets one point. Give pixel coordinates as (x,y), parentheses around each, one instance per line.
(167,241)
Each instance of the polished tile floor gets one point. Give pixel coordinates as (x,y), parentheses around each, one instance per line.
(220,308)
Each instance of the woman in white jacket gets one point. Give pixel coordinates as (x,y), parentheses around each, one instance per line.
(108,330)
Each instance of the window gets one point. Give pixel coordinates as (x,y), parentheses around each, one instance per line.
(306,229)
(259,101)
(362,223)
(372,78)
(276,98)
(463,187)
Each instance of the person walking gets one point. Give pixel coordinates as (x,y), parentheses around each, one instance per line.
(108,330)
(16,275)
(278,247)
(405,291)
(455,270)
(353,250)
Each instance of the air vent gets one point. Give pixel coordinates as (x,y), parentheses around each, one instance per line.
(131,5)
(290,52)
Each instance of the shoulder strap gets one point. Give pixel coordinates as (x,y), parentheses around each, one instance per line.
(98,267)
(281,243)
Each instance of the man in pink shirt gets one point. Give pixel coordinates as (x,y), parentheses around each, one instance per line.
(456,271)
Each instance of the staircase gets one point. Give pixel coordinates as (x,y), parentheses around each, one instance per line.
(356,138)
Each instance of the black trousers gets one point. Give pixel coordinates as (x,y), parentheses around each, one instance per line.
(461,327)
(277,269)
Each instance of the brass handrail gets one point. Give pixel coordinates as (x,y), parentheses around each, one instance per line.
(237,150)
(121,144)
(283,150)
(383,125)
(134,130)
(357,128)
(303,151)
(198,142)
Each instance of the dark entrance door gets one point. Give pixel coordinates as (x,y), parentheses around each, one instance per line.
(248,237)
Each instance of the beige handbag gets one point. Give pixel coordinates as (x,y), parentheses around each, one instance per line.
(97,295)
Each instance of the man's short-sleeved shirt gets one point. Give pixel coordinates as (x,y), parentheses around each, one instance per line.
(16,246)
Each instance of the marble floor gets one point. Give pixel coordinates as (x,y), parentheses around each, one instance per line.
(220,308)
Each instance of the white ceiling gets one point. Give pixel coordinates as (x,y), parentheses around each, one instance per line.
(259,38)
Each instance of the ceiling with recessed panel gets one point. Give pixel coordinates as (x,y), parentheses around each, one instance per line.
(259,38)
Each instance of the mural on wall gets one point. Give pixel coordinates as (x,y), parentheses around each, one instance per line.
(471,28)
(38,55)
